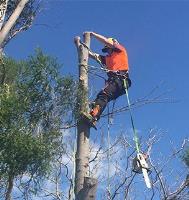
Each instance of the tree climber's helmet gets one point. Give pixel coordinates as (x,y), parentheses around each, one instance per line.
(111,40)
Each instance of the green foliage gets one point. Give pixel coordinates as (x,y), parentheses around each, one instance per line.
(8,74)
(27,14)
(34,102)
(24,20)
(21,153)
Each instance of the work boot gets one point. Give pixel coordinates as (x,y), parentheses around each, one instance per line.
(93,116)
(92,104)
(95,112)
(89,119)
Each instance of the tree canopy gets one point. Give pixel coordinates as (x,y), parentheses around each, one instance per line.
(34,102)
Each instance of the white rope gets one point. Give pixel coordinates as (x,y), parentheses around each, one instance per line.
(74,166)
(109,187)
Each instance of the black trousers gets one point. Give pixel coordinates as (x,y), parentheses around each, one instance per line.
(113,89)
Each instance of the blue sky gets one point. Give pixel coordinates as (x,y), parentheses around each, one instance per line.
(156,35)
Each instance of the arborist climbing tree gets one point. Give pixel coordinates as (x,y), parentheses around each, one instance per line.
(116,64)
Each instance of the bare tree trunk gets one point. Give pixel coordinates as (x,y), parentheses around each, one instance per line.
(9,188)
(83,129)
(3,9)
(89,189)
(7,27)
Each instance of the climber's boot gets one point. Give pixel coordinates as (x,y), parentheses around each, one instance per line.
(89,119)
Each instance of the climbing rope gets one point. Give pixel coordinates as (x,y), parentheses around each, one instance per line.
(94,68)
(131,116)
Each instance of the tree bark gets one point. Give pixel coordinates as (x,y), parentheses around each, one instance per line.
(89,189)
(11,21)
(9,188)
(3,9)
(83,129)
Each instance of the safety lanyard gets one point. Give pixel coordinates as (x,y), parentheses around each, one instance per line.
(131,116)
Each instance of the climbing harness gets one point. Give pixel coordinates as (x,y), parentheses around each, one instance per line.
(139,162)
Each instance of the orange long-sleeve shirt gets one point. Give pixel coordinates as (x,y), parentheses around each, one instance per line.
(118,60)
